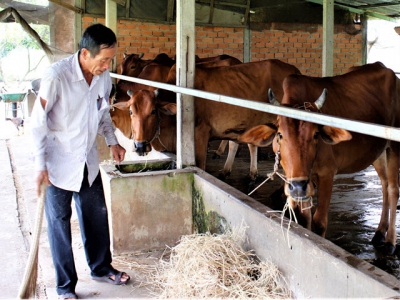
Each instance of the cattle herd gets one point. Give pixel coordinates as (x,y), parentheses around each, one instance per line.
(310,154)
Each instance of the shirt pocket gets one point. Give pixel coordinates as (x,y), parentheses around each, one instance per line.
(102,107)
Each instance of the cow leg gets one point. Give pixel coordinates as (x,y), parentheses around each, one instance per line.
(220,150)
(202,136)
(380,166)
(387,167)
(233,147)
(393,190)
(253,161)
(320,218)
(303,213)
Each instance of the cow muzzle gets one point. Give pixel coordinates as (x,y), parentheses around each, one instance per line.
(298,190)
(141,148)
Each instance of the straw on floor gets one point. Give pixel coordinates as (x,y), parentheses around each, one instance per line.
(216,266)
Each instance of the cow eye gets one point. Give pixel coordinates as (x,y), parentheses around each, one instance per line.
(130,112)
(153,112)
(316,135)
(279,135)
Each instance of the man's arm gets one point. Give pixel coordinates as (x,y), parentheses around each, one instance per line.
(39,133)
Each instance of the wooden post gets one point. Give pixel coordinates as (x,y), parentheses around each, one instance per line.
(327,44)
(111,22)
(185,62)
(246,45)
(78,26)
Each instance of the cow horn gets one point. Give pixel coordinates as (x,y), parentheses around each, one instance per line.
(321,100)
(141,55)
(125,55)
(130,93)
(156,92)
(272,98)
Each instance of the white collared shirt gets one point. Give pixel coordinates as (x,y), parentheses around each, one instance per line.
(64,133)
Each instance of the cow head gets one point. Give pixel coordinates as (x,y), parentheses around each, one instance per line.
(145,114)
(132,64)
(298,143)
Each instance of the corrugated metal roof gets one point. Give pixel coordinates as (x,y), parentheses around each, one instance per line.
(138,9)
(386,9)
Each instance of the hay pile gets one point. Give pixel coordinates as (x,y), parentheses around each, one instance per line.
(216,266)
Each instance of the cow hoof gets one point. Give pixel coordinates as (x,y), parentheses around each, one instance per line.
(249,183)
(386,249)
(260,179)
(216,156)
(222,176)
(378,239)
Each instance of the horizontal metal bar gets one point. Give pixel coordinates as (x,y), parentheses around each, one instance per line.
(223,3)
(386,132)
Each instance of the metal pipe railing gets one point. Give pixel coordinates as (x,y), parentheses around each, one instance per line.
(386,132)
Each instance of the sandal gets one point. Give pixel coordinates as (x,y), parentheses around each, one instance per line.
(117,277)
(68,296)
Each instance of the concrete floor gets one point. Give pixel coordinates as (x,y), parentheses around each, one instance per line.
(18,213)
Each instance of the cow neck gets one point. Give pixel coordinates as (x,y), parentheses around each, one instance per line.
(114,98)
(158,132)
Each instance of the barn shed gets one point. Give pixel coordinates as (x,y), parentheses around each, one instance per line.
(319,37)
(250,30)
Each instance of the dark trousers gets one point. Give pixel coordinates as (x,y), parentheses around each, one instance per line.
(92,214)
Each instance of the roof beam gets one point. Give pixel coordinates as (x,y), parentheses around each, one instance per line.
(247,13)
(357,10)
(127,8)
(170,10)
(36,14)
(68,6)
(210,19)
(385,4)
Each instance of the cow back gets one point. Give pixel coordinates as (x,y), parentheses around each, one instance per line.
(250,81)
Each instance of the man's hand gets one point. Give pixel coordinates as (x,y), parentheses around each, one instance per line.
(118,153)
(41,177)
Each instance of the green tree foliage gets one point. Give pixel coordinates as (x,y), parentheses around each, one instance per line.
(14,36)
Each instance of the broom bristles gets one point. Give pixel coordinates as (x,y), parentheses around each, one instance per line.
(29,288)
(28,285)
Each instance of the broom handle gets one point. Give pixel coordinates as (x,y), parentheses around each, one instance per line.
(33,254)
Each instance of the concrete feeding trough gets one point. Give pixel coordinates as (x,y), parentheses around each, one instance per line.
(150,210)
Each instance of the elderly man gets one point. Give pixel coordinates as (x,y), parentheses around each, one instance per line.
(70,110)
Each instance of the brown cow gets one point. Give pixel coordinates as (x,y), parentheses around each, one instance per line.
(157,70)
(120,118)
(214,120)
(228,61)
(133,64)
(312,154)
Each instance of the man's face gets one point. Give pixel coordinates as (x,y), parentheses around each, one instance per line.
(101,62)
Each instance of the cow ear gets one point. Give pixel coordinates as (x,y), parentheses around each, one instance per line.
(260,135)
(168,108)
(121,105)
(333,135)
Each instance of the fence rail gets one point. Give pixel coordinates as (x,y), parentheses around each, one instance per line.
(387,132)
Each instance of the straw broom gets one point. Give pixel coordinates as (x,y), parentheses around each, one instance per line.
(28,285)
